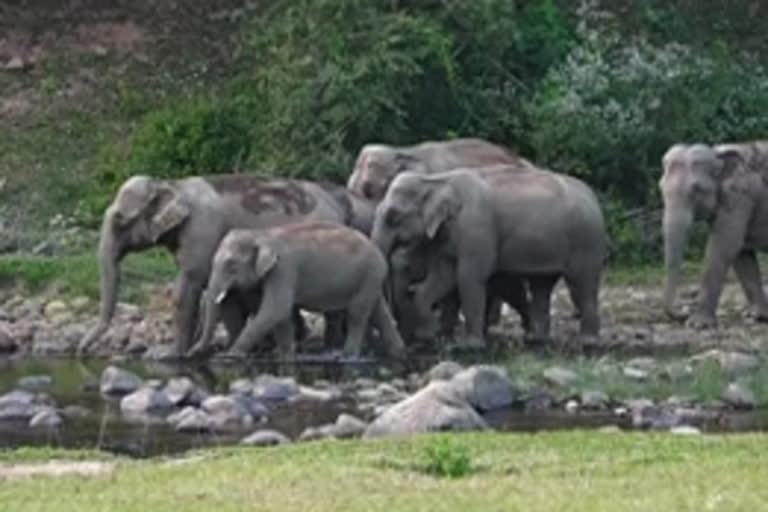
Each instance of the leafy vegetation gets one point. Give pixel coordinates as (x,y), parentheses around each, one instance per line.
(545,471)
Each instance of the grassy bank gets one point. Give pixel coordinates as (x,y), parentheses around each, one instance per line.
(574,471)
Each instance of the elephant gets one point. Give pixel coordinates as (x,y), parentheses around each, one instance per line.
(726,186)
(538,225)
(189,217)
(320,266)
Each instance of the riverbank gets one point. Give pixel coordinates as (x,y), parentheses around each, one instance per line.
(555,471)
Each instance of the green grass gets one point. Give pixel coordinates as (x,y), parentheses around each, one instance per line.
(705,383)
(553,471)
(32,454)
(79,275)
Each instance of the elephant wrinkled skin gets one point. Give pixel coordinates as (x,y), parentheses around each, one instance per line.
(725,186)
(190,217)
(319,266)
(538,225)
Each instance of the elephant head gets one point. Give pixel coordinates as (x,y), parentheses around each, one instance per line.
(241,262)
(142,212)
(376,167)
(691,189)
(413,211)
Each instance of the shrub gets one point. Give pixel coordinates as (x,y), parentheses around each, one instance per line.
(446,458)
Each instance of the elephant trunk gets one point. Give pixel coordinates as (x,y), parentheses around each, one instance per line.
(382,237)
(676,228)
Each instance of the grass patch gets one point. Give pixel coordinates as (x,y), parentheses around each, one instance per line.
(448,458)
(28,454)
(547,471)
(79,274)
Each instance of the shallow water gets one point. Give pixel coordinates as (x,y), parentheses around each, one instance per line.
(76,383)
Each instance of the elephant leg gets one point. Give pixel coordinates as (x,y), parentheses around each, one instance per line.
(541,295)
(723,246)
(449,313)
(285,339)
(233,316)
(440,281)
(512,290)
(358,316)
(493,310)
(276,306)
(585,288)
(472,290)
(748,272)
(300,329)
(187,294)
(382,319)
(335,324)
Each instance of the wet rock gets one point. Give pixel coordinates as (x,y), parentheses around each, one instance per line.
(116,381)
(539,400)
(444,370)
(34,382)
(435,407)
(55,307)
(730,363)
(19,405)
(192,420)
(7,342)
(265,437)
(685,430)
(252,405)
(485,387)
(241,385)
(145,401)
(163,352)
(226,411)
(594,400)
(739,396)
(347,426)
(275,389)
(46,418)
(561,377)
(183,391)
(318,433)
(76,412)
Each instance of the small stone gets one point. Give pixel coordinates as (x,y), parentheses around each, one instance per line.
(145,401)
(444,370)
(183,391)
(47,418)
(115,380)
(739,396)
(635,373)
(594,400)
(35,381)
(572,406)
(685,430)
(561,377)
(347,426)
(55,307)
(266,437)
(241,386)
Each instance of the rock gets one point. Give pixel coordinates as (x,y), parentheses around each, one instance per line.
(365,383)
(183,391)
(539,400)
(47,417)
(80,304)
(368,395)
(155,384)
(19,405)
(633,373)
(347,426)
(594,400)
(654,417)
(561,377)
(226,411)
(252,405)
(436,407)
(486,388)
(739,396)
(646,364)
(444,370)
(145,401)
(53,308)
(34,382)
(7,342)
(117,381)
(676,372)
(685,430)
(265,437)
(730,363)
(191,419)
(64,318)
(163,352)
(241,385)
(571,406)
(4,315)
(318,433)
(15,64)
(275,389)
(317,395)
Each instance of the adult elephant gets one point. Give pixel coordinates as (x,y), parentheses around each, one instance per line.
(726,186)
(189,217)
(539,225)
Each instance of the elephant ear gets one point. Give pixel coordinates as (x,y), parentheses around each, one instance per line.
(133,199)
(172,211)
(266,259)
(731,160)
(441,205)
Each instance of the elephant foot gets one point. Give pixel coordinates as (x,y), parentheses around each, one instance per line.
(701,321)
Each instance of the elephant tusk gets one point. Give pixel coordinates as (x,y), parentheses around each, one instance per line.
(220,297)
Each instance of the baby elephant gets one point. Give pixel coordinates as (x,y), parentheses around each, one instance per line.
(319,266)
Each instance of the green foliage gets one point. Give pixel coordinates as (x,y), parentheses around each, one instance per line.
(448,458)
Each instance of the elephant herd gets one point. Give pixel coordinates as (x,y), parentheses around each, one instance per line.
(419,234)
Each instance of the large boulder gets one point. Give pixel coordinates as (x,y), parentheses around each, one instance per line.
(227,412)
(434,408)
(486,388)
(190,419)
(183,391)
(275,389)
(20,405)
(116,381)
(145,401)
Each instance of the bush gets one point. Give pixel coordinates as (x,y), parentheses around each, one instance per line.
(445,458)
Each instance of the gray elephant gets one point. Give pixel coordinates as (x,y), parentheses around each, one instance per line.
(190,217)
(726,186)
(538,224)
(319,266)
